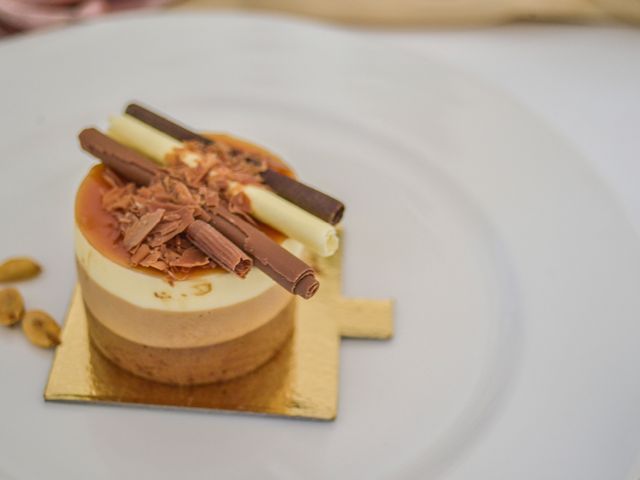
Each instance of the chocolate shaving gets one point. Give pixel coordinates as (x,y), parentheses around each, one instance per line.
(118,198)
(240,204)
(125,162)
(137,232)
(112,178)
(282,266)
(173,223)
(313,201)
(190,258)
(218,247)
(213,167)
(140,254)
(153,260)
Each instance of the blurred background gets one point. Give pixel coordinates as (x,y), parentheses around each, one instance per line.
(18,16)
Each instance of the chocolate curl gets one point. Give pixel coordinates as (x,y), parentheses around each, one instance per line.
(142,138)
(125,162)
(283,267)
(317,235)
(217,247)
(313,201)
(164,124)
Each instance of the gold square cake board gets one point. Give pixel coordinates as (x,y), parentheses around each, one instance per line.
(300,381)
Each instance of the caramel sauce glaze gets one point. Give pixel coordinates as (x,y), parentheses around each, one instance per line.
(100,228)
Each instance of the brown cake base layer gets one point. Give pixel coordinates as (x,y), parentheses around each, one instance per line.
(200,365)
(196,350)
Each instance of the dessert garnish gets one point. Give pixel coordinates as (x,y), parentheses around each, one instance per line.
(283,267)
(19,268)
(41,329)
(182,200)
(313,201)
(11,307)
(316,234)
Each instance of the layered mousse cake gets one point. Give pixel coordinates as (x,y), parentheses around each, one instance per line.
(191,249)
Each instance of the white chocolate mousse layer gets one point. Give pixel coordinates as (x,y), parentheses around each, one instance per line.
(204,292)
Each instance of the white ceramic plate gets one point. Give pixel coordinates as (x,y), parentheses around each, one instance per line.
(515,274)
